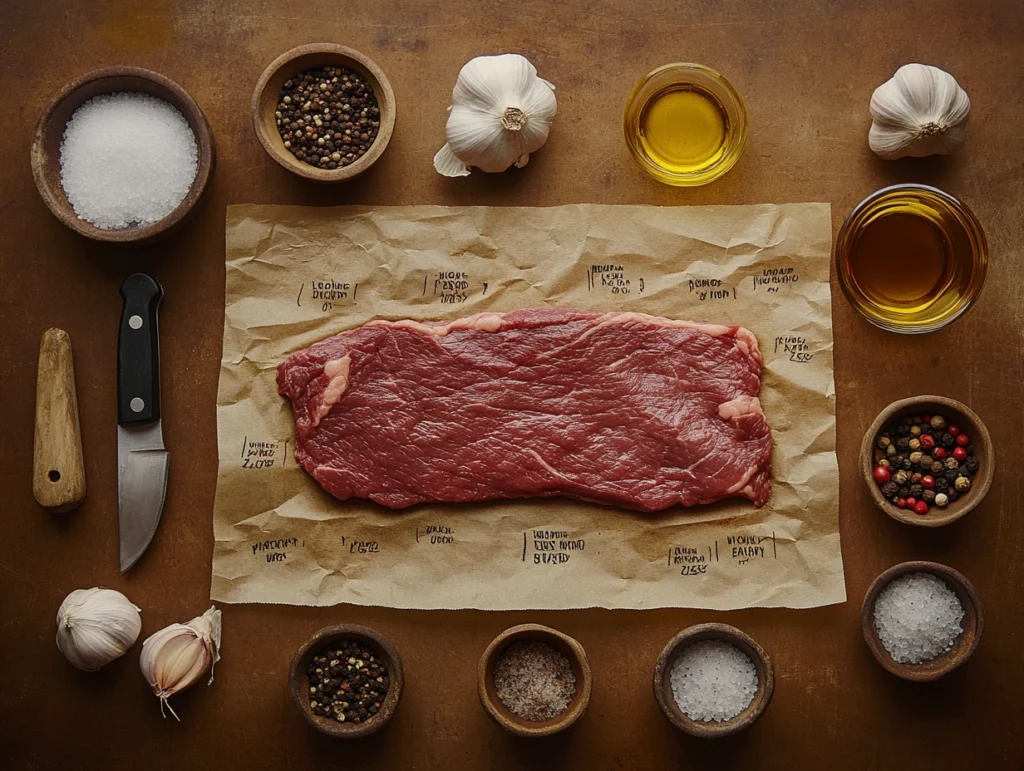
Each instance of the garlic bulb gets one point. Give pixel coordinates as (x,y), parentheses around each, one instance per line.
(501,112)
(174,658)
(920,111)
(96,626)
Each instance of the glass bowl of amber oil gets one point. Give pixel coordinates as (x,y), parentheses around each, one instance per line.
(685,124)
(911,258)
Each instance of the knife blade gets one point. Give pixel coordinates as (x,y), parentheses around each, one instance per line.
(142,460)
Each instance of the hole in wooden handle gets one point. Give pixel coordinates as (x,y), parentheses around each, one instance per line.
(54,475)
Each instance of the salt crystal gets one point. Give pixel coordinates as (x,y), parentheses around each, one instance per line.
(127,160)
(713,680)
(534,680)
(918,617)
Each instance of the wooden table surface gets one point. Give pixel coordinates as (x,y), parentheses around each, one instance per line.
(807,70)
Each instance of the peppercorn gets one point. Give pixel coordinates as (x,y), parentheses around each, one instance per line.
(951,474)
(954,430)
(916,477)
(916,490)
(941,484)
(883,441)
(962,484)
(928,496)
(928,481)
(915,457)
(889,489)
(903,443)
(939,453)
(959,452)
(904,491)
(890,451)
(927,442)
(914,444)
(926,462)
(907,464)
(952,494)
(921,508)
(351,691)
(971,464)
(901,477)
(902,429)
(952,463)
(881,474)
(884,463)
(911,501)
(963,440)
(901,502)
(915,430)
(941,499)
(937,468)
(938,422)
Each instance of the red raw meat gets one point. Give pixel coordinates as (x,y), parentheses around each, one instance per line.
(617,408)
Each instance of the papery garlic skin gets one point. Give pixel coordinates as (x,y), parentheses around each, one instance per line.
(920,111)
(501,112)
(174,658)
(96,626)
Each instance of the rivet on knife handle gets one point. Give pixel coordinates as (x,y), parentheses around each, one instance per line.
(58,468)
(138,346)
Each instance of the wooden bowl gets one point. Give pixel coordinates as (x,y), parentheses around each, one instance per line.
(298,680)
(505,717)
(50,131)
(291,63)
(973,623)
(729,634)
(954,412)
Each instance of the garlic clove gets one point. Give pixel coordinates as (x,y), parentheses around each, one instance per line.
(448,165)
(96,626)
(920,111)
(177,656)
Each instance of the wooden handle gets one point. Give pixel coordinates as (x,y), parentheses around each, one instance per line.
(58,469)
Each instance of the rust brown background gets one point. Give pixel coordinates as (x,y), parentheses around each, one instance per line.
(807,70)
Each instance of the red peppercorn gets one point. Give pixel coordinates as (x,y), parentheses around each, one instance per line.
(959,453)
(911,502)
(881,474)
(926,419)
(920,507)
(963,440)
(927,481)
(901,503)
(927,441)
(954,430)
(940,453)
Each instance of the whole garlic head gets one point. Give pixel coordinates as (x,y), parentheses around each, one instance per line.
(920,111)
(501,112)
(96,626)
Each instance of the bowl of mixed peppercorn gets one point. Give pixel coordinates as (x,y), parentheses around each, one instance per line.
(347,680)
(927,460)
(324,112)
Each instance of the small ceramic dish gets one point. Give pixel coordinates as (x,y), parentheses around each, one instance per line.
(969,423)
(50,132)
(966,644)
(291,63)
(504,716)
(730,634)
(298,679)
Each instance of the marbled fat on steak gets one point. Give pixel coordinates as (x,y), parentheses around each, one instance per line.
(617,408)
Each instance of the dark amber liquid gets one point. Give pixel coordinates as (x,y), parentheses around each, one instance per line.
(902,261)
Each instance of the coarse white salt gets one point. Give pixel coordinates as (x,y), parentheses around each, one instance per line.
(918,617)
(127,160)
(713,680)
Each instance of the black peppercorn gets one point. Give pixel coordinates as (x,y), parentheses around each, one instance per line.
(908,464)
(952,494)
(928,496)
(951,473)
(903,443)
(890,488)
(970,464)
(948,440)
(941,484)
(904,491)
(916,490)
(902,429)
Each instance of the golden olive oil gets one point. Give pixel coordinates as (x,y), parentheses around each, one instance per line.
(683,129)
(911,258)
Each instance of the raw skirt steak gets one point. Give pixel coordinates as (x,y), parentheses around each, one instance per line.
(617,408)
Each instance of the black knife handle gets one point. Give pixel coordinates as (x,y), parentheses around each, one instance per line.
(138,352)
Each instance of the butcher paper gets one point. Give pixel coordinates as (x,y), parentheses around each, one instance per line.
(297,275)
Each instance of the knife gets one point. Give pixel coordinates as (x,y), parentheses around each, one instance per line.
(142,461)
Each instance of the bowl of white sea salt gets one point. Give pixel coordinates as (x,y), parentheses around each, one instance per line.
(713,680)
(921,620)
(122,155)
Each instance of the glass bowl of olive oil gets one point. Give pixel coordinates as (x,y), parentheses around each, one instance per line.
(685,124)
(911,258)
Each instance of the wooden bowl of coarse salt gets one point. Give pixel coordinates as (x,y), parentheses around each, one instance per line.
(122,155)
(712,680)
(534,681)
(921,620)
